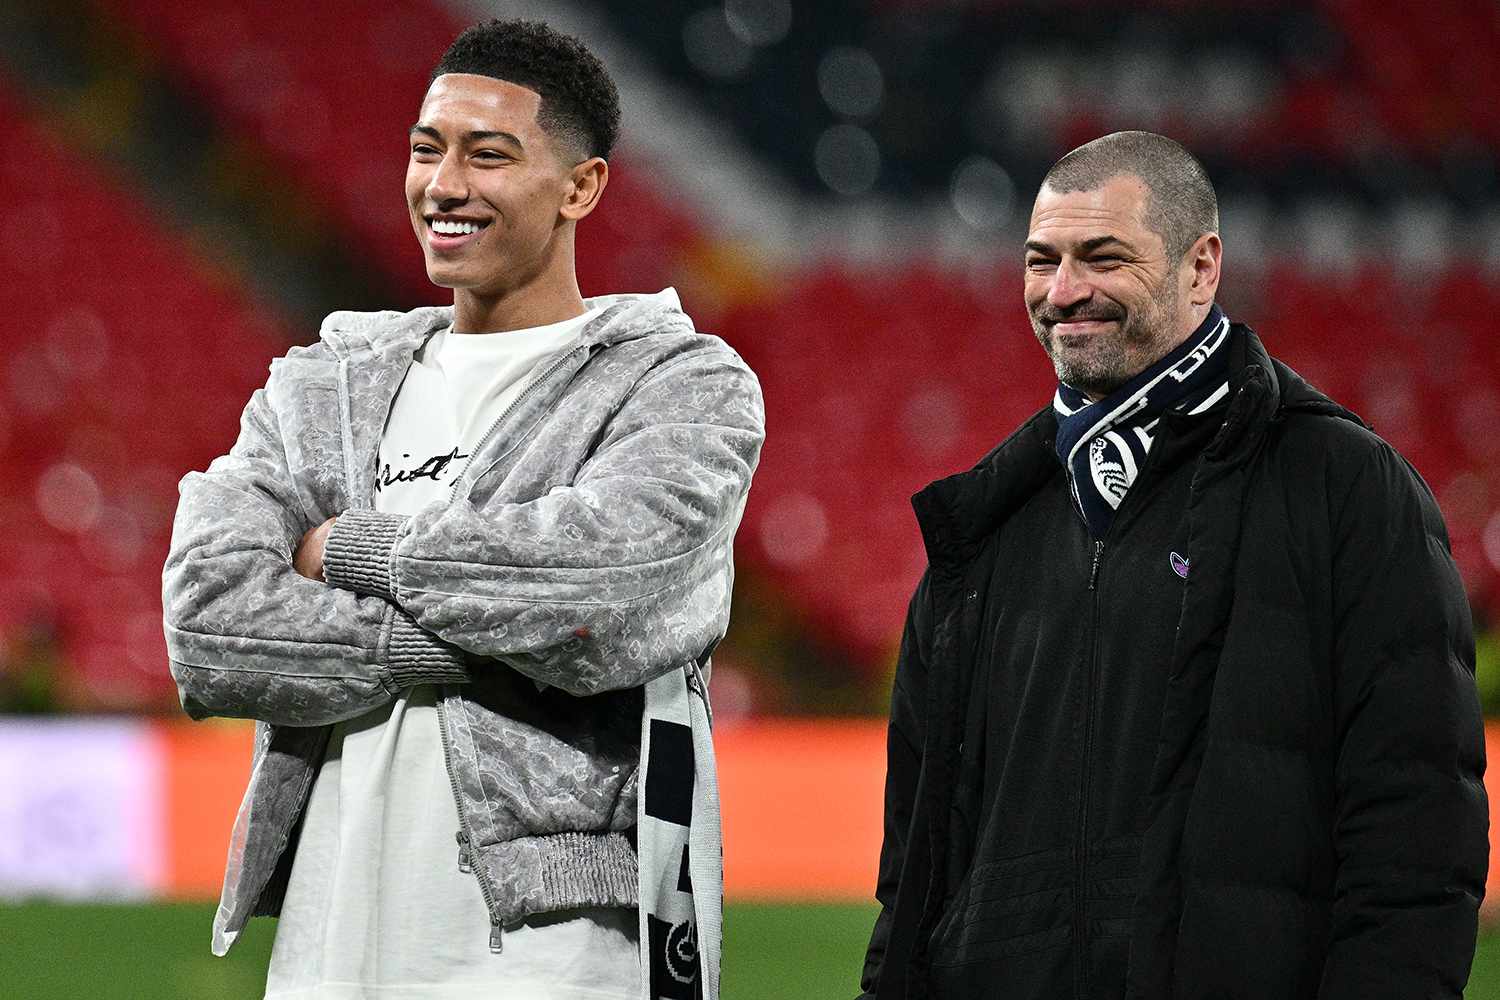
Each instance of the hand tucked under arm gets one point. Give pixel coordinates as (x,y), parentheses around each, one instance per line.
(249,634)
(602,583)
(308,559)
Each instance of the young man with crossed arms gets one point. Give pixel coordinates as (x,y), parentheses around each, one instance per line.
(466,567)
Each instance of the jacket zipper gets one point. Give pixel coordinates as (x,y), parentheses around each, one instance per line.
(467,861)
(1080,890)
(467,858)
(558,363)
(465,838)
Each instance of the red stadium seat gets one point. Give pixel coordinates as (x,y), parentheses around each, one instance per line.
(115,382)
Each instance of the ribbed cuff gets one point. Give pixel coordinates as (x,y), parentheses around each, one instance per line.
(588,869)
(357,554)
(416,656)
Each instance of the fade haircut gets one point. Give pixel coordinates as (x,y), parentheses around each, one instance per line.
(1181,205)
(580,105)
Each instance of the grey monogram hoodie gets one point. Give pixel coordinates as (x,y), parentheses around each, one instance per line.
(585,550)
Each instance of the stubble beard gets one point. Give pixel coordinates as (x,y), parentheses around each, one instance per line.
(1102,363)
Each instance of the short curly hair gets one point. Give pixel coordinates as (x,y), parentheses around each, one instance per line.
(580,104)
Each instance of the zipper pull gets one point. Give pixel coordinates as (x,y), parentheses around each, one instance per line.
(1094,572)
(464,864)
(495,942)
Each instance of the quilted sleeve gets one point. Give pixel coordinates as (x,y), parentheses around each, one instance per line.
(247,635)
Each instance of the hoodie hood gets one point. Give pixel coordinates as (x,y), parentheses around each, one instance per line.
(620,317)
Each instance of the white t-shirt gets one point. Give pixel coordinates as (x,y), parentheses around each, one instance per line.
(377,906)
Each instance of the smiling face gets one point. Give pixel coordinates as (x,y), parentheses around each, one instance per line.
(492,195)
(1104,300)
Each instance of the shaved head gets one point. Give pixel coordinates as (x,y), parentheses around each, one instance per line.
(1181,204)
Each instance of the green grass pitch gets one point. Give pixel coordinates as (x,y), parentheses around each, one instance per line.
(160,952)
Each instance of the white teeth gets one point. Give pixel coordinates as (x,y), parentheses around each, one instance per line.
(447,228)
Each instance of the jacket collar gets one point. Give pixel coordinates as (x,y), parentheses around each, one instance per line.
(374,351)
(398,334)
(957,513)
(1255,392)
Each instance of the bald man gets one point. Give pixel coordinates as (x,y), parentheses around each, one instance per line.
(1185,705)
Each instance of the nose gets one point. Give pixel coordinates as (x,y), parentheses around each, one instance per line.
(1068,286)
(448,183)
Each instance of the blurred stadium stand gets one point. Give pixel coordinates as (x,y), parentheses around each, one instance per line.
(839,189)
(126,363)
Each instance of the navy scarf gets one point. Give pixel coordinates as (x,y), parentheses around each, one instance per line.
(1103,445)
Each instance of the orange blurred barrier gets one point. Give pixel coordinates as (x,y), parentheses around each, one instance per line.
(207,765)
(802,803)
(1492,789)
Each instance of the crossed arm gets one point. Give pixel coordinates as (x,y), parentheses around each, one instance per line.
(603,582)
(250,635)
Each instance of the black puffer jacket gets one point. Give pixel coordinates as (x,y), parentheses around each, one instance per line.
(1316,825)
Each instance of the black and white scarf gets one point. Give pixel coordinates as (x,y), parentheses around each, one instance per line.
(1103,445)
(678,845)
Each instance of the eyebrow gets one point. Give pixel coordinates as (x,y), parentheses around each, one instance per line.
(477,135)
(1087,246)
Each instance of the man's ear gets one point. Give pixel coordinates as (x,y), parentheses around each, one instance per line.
(1204,257)
(587,182)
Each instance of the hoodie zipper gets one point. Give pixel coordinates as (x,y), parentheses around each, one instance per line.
(1080,890)
(466,854)
(478,447)
(468,859)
